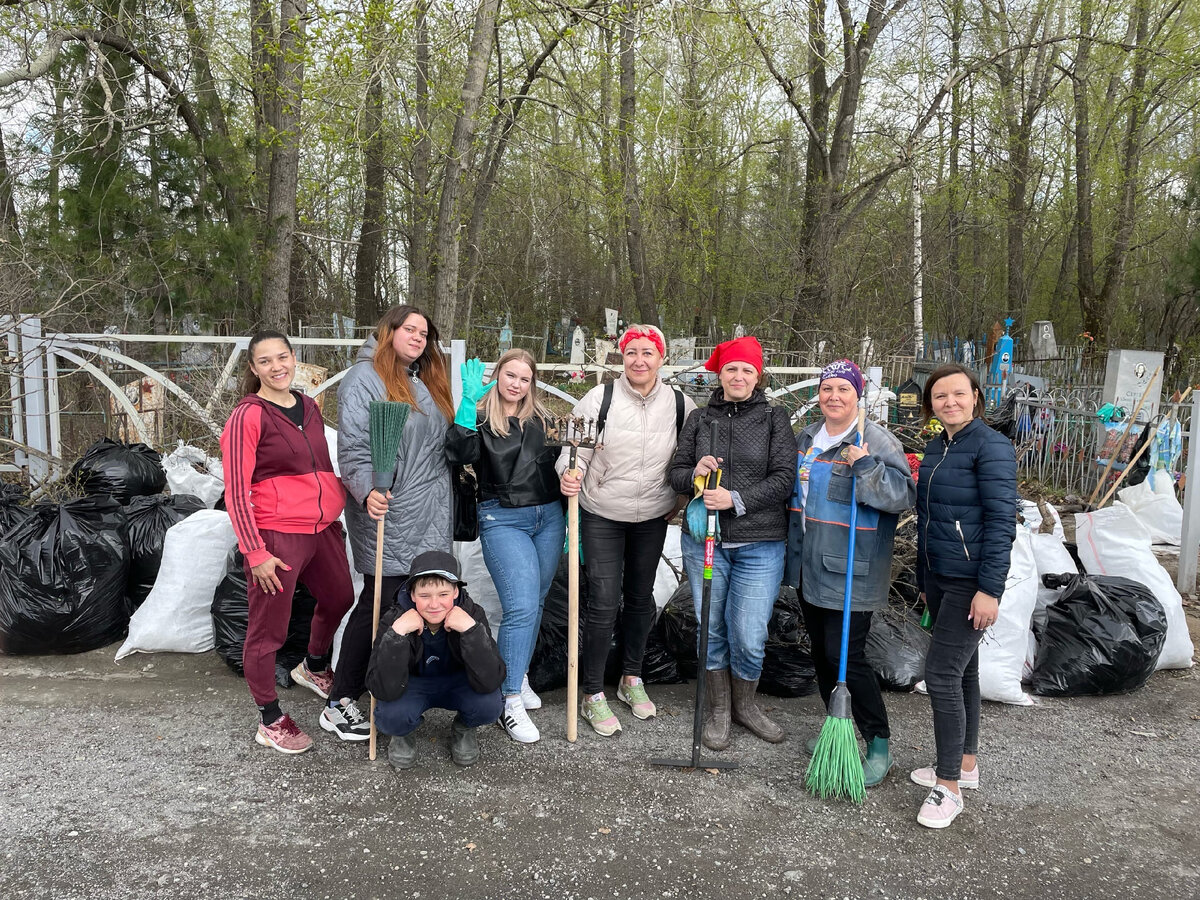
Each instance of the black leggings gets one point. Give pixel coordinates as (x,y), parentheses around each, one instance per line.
(350,676)
(952,672)
(620,558)
(866,702)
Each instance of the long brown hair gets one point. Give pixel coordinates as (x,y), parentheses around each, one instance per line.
(251,383)
(944,372)
(530,405)
(431,364)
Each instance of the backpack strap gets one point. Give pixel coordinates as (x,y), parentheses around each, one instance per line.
(605,403)
(678,412)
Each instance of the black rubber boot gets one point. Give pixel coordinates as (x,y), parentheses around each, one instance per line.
(464,744)
(747,713)
(402,751)
(716,722)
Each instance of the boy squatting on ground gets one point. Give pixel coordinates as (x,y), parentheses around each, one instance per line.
(434,650)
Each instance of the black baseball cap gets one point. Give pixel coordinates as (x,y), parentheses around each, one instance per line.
(436,562)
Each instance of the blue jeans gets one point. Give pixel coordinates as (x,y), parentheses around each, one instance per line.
(521,547)
(453,692)
(745,584)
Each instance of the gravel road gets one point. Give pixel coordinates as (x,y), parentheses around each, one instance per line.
(141,779)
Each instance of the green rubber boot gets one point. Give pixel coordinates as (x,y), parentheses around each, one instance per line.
(878,762)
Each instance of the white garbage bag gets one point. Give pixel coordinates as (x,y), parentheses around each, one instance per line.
(1156,508)
(192,471)
(177,615)
(1114,542)
(1004,646)
(1033,517)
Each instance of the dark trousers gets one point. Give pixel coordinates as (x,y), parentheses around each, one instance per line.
(952,672)
(350,677)
(318,561)
(453,692)
(866,702)
(621,558)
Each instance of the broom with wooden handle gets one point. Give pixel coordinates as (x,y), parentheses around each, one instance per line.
(387,419)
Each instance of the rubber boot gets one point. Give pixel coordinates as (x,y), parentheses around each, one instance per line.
(464,744)
(878,762)
(747,713)
(716,723)
(402,751)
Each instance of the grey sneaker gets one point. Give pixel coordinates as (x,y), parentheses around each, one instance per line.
(346,720)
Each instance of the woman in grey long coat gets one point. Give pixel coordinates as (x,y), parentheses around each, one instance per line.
(401,361)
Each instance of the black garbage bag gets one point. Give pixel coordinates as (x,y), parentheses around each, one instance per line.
(119,470)
(149,519)
(13,510)
(62,578)
(1007,417)
(1103,635)
(231,616)
(896,648)
(787,666)
(548,666)
(788,669)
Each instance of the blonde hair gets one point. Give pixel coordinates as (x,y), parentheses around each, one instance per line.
(431,365)
(529,406)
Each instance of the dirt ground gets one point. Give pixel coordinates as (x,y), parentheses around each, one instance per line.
(141,779)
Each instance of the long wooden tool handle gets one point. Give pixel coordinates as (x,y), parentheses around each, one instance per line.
(1116,484)
(375,615)
(573,617)
(1121,443)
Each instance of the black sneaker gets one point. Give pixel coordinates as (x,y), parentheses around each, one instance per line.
(464,744)
(346,721)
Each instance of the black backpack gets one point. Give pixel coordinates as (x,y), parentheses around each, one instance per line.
(606,402)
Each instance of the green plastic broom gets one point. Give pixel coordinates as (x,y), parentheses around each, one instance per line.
(387,419)
(836,768)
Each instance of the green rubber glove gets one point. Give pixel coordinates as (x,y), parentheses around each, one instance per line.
(473,390)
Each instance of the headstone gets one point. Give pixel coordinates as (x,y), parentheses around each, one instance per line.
(868,349)
(605,351)
(1042,344)
(1125,380)
(610,321)
(739,331)
(578,346)
(506,335)
(908,403)
(681,347)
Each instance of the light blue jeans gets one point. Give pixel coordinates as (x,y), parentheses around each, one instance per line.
(521,546)
(745,583)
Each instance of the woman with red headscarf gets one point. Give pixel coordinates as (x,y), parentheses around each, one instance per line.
(625,503)
(754,452)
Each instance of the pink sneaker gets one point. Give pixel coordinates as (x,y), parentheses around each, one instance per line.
(940,808)
(320,683)
(284,735)
(927,777)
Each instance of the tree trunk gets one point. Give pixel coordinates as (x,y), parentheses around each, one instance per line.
(262,79)
(280,225)
(419,271)
(643,292)
(954,203)
(9,224)
(367,306)
(608,178)
(445,285)
(1085,274)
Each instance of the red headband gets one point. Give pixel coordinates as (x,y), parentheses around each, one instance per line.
(653,335)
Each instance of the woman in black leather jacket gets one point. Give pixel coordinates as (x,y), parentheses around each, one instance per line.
(521,523)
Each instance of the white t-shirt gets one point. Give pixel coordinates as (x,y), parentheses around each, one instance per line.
(822,441)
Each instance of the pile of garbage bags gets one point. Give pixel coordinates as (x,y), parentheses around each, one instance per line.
(72,572)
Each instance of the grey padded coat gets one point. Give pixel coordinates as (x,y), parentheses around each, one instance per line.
(419,516)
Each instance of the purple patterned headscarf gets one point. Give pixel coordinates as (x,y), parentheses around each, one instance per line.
(844,368)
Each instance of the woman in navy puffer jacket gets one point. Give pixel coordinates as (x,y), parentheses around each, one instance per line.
(966,522)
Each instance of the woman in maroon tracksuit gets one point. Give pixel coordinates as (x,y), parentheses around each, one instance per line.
(284,500)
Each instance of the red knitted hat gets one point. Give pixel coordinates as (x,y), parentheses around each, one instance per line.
(744,349)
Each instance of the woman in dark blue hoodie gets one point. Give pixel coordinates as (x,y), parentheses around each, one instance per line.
(966,522)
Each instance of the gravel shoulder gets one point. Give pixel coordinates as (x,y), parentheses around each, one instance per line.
(141,779)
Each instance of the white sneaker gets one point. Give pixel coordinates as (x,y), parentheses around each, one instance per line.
(529,699)
(517,724)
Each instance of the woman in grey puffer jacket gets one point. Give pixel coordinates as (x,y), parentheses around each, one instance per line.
(401,361)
